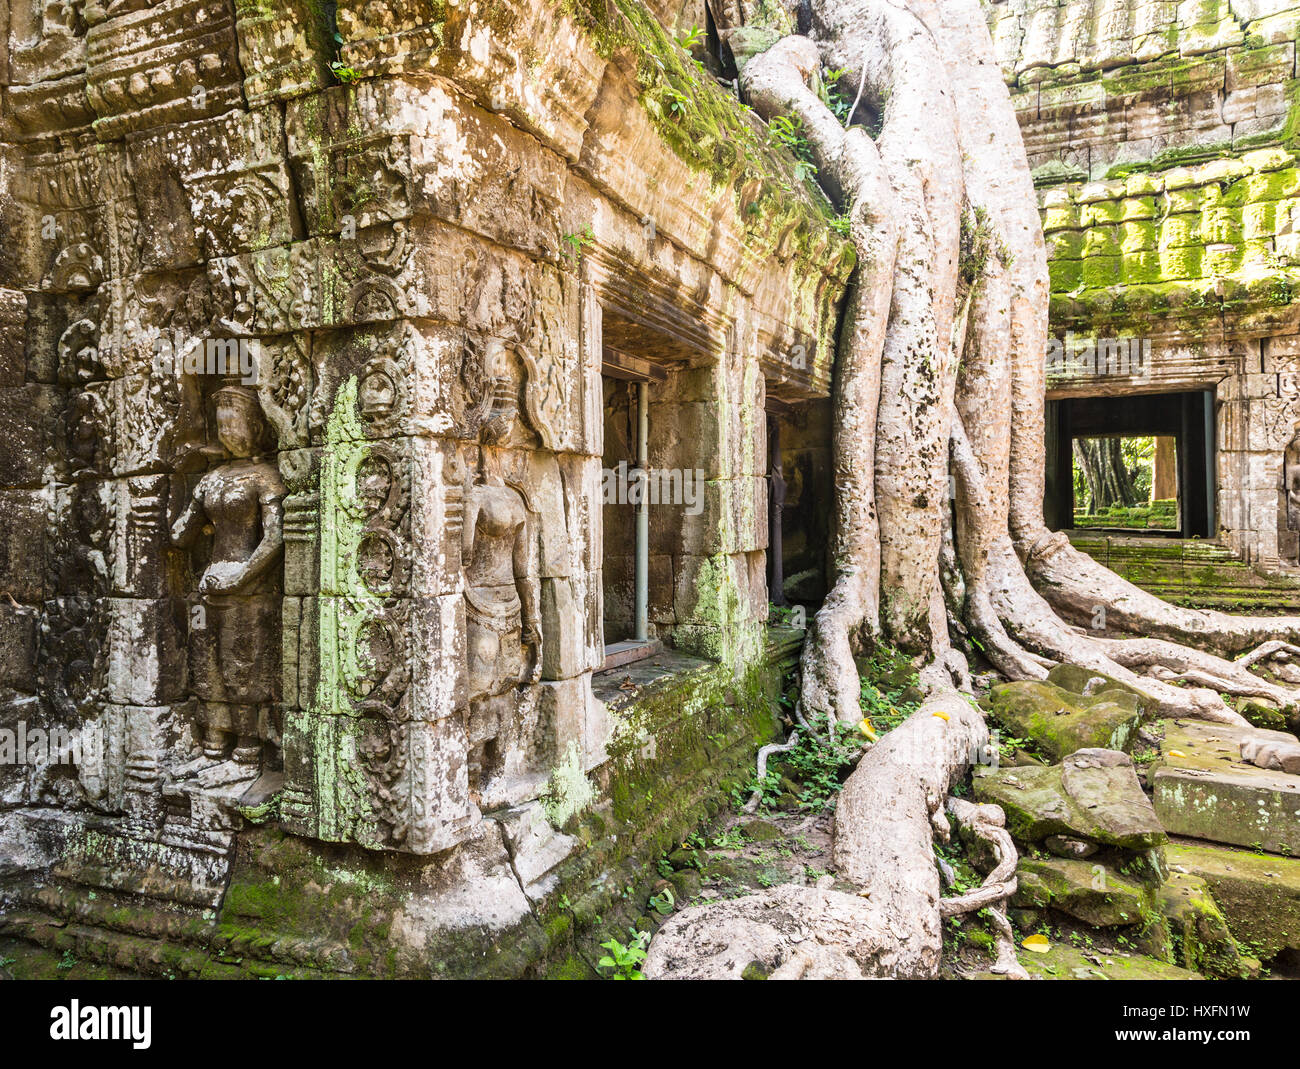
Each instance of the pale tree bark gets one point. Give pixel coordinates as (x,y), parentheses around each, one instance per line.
(852,167)
(940,374)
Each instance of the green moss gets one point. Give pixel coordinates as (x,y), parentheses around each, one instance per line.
(711,131)
(569,791)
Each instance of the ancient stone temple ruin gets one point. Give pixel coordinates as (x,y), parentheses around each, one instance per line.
(420,458)
(1163,141)
(317,391)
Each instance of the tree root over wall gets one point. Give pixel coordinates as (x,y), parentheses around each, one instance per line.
(939,474)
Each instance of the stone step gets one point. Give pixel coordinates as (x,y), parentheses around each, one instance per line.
(1258,894)
(1064,962)
(1203,789)
(1191,572)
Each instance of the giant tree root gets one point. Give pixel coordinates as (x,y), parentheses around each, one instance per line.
(885,821)
(756,798)
(789,932)
(989,823)
(941,361)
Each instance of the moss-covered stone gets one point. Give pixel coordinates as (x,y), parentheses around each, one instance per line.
(1059,721)
(1202,788)
(1199,933)
(1064,962)
(1258,895)
(1085,890)
(1096,799)
(296,907)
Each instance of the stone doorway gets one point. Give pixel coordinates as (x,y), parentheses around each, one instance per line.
(800,501)
(1177,428)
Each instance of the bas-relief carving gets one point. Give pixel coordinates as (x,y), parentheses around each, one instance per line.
(234,640)
(502,619)
(48,40)
(1291,488)
(139,269)
(427,716)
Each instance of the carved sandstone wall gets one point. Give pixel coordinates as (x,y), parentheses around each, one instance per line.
(357,596)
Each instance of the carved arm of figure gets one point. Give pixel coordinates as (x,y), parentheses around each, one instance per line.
(468,529)
(529,587)
(192,520)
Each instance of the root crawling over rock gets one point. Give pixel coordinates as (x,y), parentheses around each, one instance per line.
(939,544)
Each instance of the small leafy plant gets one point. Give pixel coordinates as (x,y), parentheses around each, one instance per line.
(788,132)
(663,902)
(836,96)
(578,243)
(345,74)
(731,839)
(625,960)
(692,37)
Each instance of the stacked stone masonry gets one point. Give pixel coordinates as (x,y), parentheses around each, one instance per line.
(1163,140)
(301,389)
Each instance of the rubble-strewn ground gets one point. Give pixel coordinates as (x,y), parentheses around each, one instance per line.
(1105,891)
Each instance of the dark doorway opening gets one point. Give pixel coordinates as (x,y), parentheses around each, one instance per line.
(1181,427)
(801,501)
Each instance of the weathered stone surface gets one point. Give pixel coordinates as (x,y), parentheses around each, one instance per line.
(1201,940)
(28,426)
(1259,895)
(1202,788)
(126,864)
(1065,962)
(1090,684)
(18,630)
(1064,846)
(1088,892)
(1093,795)
(1160,141)
(1059,721)
(1278,755)
(13,323)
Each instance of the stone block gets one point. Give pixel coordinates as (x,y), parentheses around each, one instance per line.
(210,189)
(24,516)
(563,631)
(144,649)
(13,330)
(282,49)
(18,631)
(17,715)
(1059,722)
(1089,892)
(171,62)
(377,783)
(1259,895)
(28,425)
(1094,795)
(1203,789)
(722,516)
(1201,938)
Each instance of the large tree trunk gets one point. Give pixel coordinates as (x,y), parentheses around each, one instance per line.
(883,831)
(940,374)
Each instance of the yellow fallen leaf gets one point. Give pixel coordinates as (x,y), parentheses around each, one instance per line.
(1177,753)
(941,716)
(865,727)
(1039,944)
